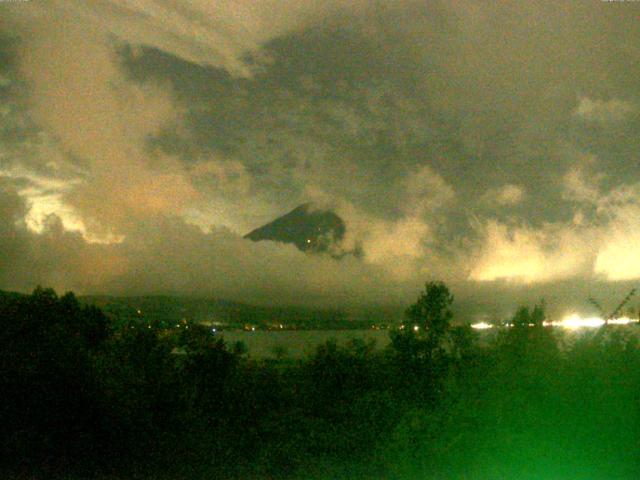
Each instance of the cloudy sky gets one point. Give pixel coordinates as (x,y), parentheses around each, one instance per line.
(493,145)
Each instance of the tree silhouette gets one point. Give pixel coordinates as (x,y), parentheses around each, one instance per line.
(47,346)
(528,339)
(538,314)
(432,312)
(525,317)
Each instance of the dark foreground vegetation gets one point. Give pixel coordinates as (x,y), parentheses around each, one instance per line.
(82,399)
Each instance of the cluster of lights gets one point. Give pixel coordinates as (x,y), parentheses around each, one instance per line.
(415,328)
(575,321)
(571,322)
(481,326)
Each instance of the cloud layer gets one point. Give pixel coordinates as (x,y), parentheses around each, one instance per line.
(492,144)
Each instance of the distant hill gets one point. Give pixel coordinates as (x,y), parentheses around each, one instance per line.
(306,227)
(166,311)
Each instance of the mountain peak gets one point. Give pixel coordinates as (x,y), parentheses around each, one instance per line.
(307,227)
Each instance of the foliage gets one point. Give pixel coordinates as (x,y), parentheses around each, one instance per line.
(432,311)
(47,344)
(82,399)
(524,317)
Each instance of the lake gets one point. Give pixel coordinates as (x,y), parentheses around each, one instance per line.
(299,343)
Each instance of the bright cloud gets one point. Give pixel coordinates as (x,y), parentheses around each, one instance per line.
(509,194)
(602,111)
(523,254)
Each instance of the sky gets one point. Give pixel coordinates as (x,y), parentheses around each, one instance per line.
(494,146)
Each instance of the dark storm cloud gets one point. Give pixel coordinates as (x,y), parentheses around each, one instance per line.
(483,105)
(474,143)
(12,244)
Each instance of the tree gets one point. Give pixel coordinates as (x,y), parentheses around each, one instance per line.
(432,312)
(522,317)
(538,314)
(48,346)
(528,339)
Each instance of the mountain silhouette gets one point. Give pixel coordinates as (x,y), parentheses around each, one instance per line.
(308,228)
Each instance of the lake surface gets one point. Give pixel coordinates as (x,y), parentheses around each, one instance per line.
(299,343)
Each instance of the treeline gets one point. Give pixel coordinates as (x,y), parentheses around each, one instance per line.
(82,399)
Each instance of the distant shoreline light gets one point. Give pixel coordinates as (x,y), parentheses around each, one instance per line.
(571,322)
(481,326)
